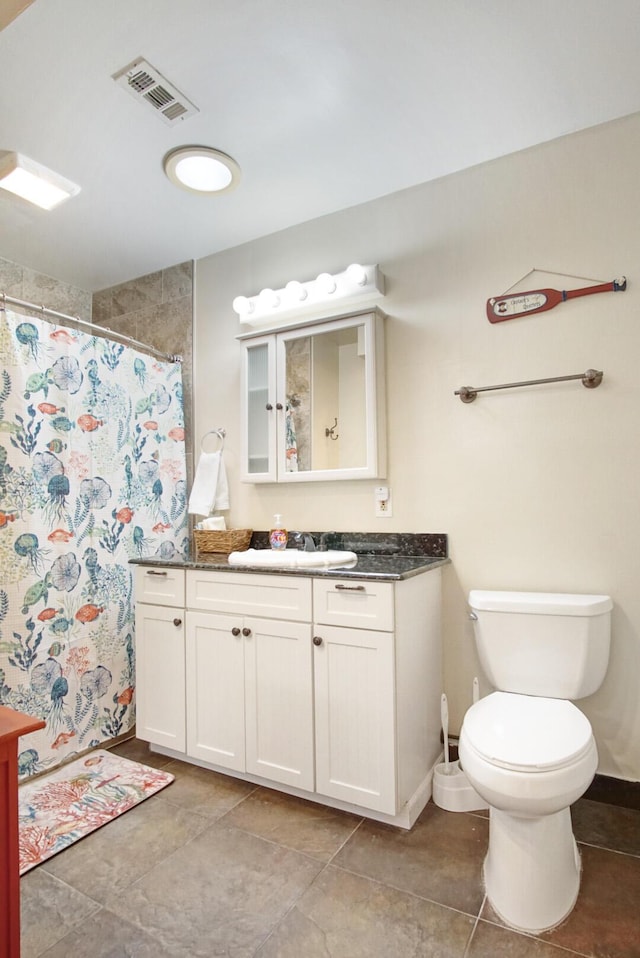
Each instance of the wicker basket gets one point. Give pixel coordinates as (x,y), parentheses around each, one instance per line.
(214,540)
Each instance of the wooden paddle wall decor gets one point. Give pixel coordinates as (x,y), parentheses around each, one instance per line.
(501,308)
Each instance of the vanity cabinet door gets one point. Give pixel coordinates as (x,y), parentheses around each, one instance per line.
(250,696)
(160,672)
(215,689)
(355,716)
(279,701)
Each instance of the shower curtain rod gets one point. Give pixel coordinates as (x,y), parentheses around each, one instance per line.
(170,357)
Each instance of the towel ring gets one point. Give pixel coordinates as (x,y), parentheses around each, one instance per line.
(220,433)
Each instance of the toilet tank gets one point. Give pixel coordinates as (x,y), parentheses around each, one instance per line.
(542,643)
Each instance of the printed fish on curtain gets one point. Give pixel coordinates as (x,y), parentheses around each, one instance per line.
(92,474)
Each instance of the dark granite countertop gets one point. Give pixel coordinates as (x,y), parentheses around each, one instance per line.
(381,556)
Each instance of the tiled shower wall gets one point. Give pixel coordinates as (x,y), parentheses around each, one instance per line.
(155,309)
(26,284)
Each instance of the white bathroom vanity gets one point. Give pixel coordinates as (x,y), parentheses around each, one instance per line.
(322,684)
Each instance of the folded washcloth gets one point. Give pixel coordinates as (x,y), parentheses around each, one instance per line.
(210,487)
(292,559)
(215,522)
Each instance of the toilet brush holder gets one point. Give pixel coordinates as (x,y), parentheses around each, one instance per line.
(453,791)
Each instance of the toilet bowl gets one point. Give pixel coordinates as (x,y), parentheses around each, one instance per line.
(529,758)
(527,750)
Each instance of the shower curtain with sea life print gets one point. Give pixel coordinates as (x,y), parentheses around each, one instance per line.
(92,474)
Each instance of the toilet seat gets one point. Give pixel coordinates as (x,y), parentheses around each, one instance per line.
(527,733)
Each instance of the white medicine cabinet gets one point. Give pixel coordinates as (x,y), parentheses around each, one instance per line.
(313,401)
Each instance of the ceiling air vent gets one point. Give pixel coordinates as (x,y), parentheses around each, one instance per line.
(146,84)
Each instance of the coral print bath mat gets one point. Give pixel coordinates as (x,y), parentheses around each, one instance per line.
(58,809)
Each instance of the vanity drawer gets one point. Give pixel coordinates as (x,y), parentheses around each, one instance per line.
(270,596)
(159,585)
(354,603)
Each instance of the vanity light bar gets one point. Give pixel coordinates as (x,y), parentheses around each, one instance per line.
(327,295)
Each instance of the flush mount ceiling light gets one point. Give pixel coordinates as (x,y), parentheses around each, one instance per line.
(34,182)
(201,169)
(327,295)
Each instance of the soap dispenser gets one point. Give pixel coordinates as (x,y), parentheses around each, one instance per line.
(278,534)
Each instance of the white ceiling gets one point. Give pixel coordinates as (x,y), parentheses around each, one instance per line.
(323,106)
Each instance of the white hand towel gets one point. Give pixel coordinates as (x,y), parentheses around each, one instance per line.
(210,488)
(221,501)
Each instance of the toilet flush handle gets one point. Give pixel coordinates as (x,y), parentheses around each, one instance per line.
(473,616)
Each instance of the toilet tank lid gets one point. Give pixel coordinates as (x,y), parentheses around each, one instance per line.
(540,603)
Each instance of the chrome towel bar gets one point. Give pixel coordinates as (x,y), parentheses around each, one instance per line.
(591,378)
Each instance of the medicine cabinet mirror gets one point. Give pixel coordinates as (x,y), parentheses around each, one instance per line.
(313,401)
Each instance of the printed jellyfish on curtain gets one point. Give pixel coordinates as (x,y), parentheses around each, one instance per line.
(27,334)
(27,546)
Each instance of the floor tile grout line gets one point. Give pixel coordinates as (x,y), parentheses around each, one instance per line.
(212,818)
(76,924)
(275,841)
(269,841)
(607,848)
(473,930)
(532,936)
(347,839)
(293,905)
(403,891)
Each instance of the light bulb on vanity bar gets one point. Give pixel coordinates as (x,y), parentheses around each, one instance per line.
(357,274)
(269,298)
(326,283)
(296,291)
(243,306)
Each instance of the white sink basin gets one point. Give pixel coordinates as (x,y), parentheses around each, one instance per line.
(293,559)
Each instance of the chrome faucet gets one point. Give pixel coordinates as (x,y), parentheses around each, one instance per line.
(303,540)
(323,547)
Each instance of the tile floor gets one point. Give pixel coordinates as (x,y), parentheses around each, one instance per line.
(212,866)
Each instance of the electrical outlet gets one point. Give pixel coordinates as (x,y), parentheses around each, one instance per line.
(382,496)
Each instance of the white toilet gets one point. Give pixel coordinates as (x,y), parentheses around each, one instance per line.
(527,750)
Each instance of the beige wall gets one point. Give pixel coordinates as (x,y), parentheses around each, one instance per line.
(537,488)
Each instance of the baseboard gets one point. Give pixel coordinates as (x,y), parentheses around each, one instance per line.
(614,791)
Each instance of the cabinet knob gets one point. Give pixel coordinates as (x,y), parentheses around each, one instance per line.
(269,406)
(317,640)
(235,630)
(246,632)
(177,622)
(279,405)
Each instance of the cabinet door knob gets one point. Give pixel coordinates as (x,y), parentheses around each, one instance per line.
(235,630)
(269,406)
(177,622)
(317,640)
(246,631)
(279,405)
